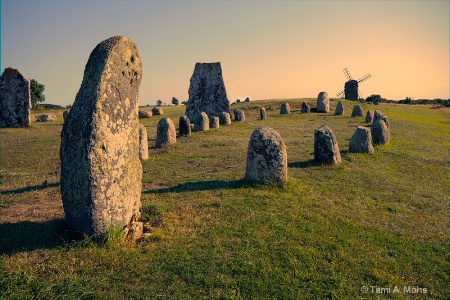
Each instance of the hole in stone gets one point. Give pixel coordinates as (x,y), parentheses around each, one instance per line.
(123,73)
(127,64)
(135,73)
(132,58)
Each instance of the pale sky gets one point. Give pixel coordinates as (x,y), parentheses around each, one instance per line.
(268,49)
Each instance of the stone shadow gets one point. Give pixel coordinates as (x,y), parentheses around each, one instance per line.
(30,188)
(28,236)
(202,186)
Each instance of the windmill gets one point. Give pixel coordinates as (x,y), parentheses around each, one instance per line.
(351,91)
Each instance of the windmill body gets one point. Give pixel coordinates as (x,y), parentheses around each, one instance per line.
(351,91)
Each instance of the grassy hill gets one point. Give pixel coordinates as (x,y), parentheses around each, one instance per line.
(329,233)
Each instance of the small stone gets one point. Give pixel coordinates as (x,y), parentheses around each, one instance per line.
(239,115)
(285,109)
(46,118)
(145,114)
(380,132)
(306,108)
(358,111)
(201,122)
(361,141)
(370,116)
(262,113)
(214,122)
(339,109)
(165,133)
(266,156)
(323,103)
(185,126)
(143,143)
(326,149)
(157,111)
(224,118)
(135,231)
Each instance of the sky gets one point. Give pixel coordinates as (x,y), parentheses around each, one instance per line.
(267,49)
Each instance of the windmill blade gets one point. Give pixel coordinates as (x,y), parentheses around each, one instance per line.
(340,94)
(360,95)
(347,74)
(365,77)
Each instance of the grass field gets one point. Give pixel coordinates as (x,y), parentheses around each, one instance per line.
(330,232)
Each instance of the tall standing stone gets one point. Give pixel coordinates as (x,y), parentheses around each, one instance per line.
(165,133)
(185,125)
(358,111)
(224,118)
(239,115)
(214,122)
(380,132)
(143,143)
(207,91)
(339,109)
(361,141)
(326,149)
(262,113)
(100,168)
(15,99)
(369,116)
(201,122)
(266,156)
(306,108)
(323,103)
(285,109)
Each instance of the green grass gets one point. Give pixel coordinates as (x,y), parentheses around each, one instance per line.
(378,219)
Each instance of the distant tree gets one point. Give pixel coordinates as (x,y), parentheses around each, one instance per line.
(375,99)
(159,102)
(184,102)
(238,100)
(37,93)
(175,101)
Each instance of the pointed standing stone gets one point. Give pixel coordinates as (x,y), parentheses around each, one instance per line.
(185,126)
(339,109)
(266,156)
(15,99)
(361,141)
(306,109)
(207,91)
(380,132)
(323,103)
(326,149)
(285,109)
(165,133)
(369,116)
(201,122)
(100,168)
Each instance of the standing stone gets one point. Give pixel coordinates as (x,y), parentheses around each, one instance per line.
(165,133)
(326,149)
(323,103)
(15,99)
(361,141)
(339,109)
(239,115)
(285,109)
(185,125)
(306,108)
(247,99)
(201,122)
(46,118)
(214,122)
(266,156)
(224,118)
(145,114)
(358,111)
(65,113)
(143,143)
(369,116)
(157,111)
(207,91)
(380,132)
(386,120)
(100,168)
(377,115)
(262,113)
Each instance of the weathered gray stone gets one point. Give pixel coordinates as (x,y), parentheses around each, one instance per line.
(46,118)
(326,149)
(201,122)
(207,91)
(358,111)
(247,99)
(361,141)
(377,115)
(380,132)
(100,168)
(165,133)
(65,113)
(306,108)
(157,111)
(386,120)
(285,109)
(369,116)
(262,113)
(339,109)
(143,143)
(323,103)
(214,122)
(185,126)
(143,114)
(239,115)
(225,118)
(266,156)
(15,99)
